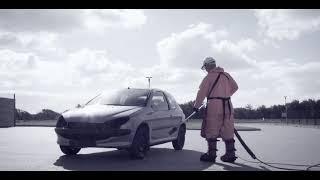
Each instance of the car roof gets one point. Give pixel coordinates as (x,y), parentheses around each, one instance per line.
(152,89)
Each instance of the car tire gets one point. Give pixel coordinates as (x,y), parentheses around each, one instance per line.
(140,144)
(68,150)
(179,142)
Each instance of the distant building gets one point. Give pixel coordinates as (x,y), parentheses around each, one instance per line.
(7,109)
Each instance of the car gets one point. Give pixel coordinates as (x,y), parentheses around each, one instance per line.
(129,119)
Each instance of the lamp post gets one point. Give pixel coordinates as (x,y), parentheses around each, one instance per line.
(149,80)
(285,105)
(14,110)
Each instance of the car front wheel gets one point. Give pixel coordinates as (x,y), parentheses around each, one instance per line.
(140,144)
(179,142)
(68,150)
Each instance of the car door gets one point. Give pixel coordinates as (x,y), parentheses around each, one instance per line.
(175,115)
(160,122)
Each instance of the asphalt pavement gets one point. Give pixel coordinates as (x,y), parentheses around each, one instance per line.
(35,149)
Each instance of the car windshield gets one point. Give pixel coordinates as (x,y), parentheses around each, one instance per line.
(126,97)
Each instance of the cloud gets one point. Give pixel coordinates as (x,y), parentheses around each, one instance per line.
(61,20)
(188,48)
(91,62)
(81,75)
(30,20)
(9,40)
(45,45)
(12,61)
(287,24)
(43,32)
(16,68)
(101,19)
(46,60)
(274,79)
(182,55)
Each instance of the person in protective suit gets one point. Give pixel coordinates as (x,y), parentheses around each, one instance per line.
(218,122)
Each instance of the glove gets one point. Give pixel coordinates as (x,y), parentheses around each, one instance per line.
(195,109)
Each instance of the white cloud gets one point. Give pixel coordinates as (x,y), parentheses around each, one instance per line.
(66,20)
(274,79)
(101,19)
(42,31)
(287,24)
(181,54)
(12,61)
(82,73)
(16,68)
(45,45)
(187,49)
(46,61)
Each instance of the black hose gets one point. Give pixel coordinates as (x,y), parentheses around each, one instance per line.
(286,164)
(316,165)
(244,145)
(266,163)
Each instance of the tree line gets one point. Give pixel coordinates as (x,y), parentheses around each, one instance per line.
(45,114)
(306,109)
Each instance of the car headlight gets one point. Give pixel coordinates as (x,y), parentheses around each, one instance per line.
(116,123)
(61,122)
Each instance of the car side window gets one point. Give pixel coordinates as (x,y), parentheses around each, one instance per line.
(172,102)
(158,101)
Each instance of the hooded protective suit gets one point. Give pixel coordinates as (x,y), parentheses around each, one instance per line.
(213,124)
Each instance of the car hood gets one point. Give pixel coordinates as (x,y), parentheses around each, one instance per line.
(98,113)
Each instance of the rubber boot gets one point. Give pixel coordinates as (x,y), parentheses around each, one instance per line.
(230,155)
(211,155)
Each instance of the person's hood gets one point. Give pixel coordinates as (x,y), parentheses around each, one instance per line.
(216,70)
(98,113)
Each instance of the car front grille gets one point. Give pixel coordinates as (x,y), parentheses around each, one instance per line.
(88,126)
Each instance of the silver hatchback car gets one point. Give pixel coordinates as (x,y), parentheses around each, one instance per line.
(131,119)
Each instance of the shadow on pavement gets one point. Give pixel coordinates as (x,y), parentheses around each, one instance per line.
(157,159)
(240,167)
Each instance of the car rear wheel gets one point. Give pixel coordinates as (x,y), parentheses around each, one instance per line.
(179,142)
(68,150)
(140,144)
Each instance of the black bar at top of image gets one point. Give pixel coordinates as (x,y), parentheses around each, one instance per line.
(163,4)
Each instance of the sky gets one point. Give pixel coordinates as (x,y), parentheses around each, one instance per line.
(56,59)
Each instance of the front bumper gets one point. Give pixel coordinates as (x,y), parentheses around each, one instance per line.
(92,137)
(80,134)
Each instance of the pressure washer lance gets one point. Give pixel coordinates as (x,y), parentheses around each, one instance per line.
(194,112)
(249,150)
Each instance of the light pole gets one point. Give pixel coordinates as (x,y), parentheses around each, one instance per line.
(149,80)
(14,109)
(285,105)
